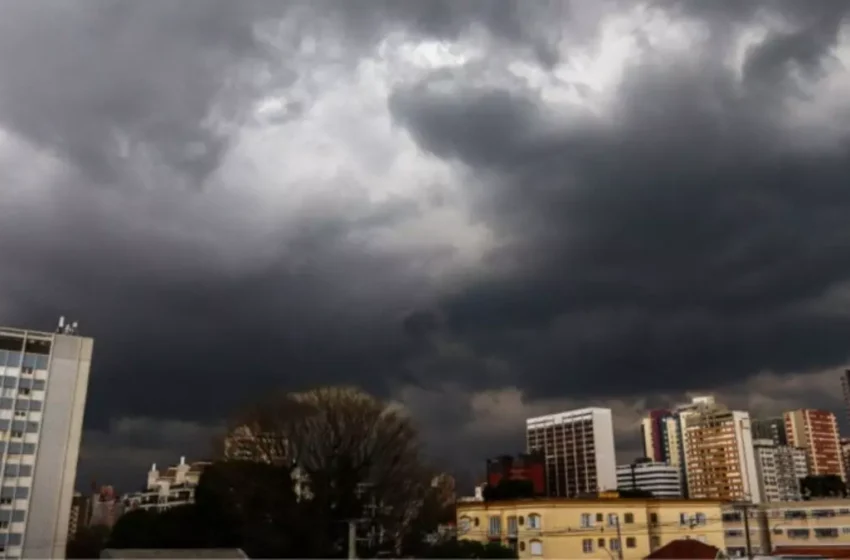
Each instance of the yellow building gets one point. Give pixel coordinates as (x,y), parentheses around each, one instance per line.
(817,523)
(590,528)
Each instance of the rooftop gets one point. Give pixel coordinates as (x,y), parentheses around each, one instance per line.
(687,548)
(581,502)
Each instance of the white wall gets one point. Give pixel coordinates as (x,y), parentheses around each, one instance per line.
(606,455)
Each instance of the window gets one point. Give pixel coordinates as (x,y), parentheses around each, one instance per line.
(653,519)
(600,543)
(776,531)
(798,533)
(5,501)
(600,518)
(464,524)
(512,527)
(629,518)
(521,546)
(17,434)
(585,521)
(631,542)
(732,533)
(4,524)
(20,414)
(615,544)
(826,533)
(534,521)
(612,519)
(587,545)
(654,542)
(24,391)
(736,551)
(495,526)
(699,519)
(475,522)
(683,519)
(521,520)
(536,548)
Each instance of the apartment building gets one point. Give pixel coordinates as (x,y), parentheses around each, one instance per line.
(653,432)
(175,486)
(661,479)
(590,528)
(778,468)
(718,452)
(818,524)
(816,431)
(578,449)
(44,379)
(81,510)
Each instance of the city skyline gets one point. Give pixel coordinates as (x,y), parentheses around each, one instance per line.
(484,215)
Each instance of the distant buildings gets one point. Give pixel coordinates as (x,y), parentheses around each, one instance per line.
(816,431)
(80,514)
(175,486)
(779,468)
(106,507)
(661,479)
(772,429)
(655,435)
(44,380)
(526,467)
(578,450)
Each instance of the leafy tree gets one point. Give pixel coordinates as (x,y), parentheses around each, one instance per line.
(634,493)
(89,542)
(509,489)
(469,549)
(824,486)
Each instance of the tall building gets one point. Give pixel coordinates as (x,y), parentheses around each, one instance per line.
(661,479)
(718,451)
(816,431)
(578,448)
(772,429)
(653,431)
(45,380)
(80,514)
(778,468)
(531,468)
(106,507)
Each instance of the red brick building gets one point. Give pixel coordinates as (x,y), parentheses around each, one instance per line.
(816,431)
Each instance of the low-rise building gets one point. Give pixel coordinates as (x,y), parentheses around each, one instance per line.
(822,524)
(590,528)
(661,479)
(173,487)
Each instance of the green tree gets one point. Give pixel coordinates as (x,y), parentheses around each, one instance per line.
(823,486)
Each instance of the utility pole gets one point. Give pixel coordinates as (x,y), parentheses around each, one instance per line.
(745,511)
(352,540)
(619,538)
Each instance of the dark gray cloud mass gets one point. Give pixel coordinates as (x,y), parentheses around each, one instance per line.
(232,197)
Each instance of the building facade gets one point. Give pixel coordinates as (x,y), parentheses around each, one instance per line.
(653,432)
(718,451)
(175,486)
(778,468)
(598,528)
(106,507)
(770,428)
(44,382)
(578,450)
(818,524)
(527,467)
(816,431)
(663,480)
(80,515)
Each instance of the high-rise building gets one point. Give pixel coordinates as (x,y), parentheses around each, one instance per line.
(816,431)
(80,514)
(44,382)
(525,467)
(778,468)
(718,450)
(578,449)
(772,429)
(661,479)
(653,431)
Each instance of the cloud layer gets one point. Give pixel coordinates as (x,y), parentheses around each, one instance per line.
(478,212)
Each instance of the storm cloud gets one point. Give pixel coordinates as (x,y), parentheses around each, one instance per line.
(481,213)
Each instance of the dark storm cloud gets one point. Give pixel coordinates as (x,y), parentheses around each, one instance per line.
(680,242)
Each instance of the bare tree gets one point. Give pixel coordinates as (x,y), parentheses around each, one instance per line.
(355,450)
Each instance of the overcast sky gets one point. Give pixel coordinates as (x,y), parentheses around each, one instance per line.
(483,209)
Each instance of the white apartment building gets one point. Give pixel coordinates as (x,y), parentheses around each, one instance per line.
(663,480)
(44,379)
(578,448)
(175,486)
